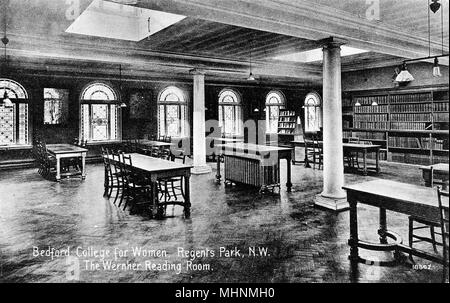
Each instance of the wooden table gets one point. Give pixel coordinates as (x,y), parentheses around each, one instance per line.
(151,143)
(440,171)
(399,197)
(155,169)
(60,151)
(213,141)
(352,147)
(263,152)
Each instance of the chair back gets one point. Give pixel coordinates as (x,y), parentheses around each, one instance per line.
(126,169)
(443,199)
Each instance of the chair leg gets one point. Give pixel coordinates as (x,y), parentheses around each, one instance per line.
(410,237)
(433,238)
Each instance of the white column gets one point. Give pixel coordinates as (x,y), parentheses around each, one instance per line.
(198,134)
(332,196)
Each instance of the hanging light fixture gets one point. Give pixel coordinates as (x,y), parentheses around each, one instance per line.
(404,76)
(6,101)
(123,104)
(357,103)
(250,76)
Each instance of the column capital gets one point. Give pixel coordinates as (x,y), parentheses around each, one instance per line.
(333,42)
(197,71)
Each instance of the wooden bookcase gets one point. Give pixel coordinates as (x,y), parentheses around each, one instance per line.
(411,125)
(287,127)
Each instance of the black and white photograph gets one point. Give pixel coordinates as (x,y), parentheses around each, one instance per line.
(243,143)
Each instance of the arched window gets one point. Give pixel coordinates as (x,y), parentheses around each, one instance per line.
(14,128)
(100,114)
(172,112)
(274,102)
(313,113)
(230,113)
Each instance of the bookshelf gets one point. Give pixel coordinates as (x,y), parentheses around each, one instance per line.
(411,125)
(287,127)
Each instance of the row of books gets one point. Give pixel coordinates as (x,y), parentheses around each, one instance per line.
(410,125)
(346,102)
(286,131)
(411,117)
(440,107)
(371,118)
(417,97)
(420,107)
(371,125)
(440,159)
(285,125)
(368,100)
(286,119)
(287,113)
(370,109)
(424,143)
(440,117)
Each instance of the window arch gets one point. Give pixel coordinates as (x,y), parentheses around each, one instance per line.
(313,112)
(230,113)
(100,113)
(275,101)
(14,124)
(172,112)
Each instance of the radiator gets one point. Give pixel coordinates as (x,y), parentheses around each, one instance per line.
(249,170)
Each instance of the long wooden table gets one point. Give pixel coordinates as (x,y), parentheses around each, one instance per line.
(399,197)
(440,171)
(262,152)
(156,169)
(60,151)
(151,143)
(351,147)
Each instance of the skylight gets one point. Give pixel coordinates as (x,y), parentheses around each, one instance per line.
(317,55)
(117,21)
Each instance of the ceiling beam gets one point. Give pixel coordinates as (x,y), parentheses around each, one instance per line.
(303,19)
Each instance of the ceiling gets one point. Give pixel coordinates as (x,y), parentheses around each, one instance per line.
(221,37)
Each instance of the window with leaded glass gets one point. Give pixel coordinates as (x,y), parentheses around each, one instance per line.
(313,113)
(99,113)
(275,101)
(14,124)
(56,105)
(172,113)
(230,113)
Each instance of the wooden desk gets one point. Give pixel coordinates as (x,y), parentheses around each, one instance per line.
(263,152)
(399,197)
(440,171)
(352,147)
(155,169)
(60,151)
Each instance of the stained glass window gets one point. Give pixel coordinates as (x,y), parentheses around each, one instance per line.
(313,113)
(99,113)
(230,113)
(172,113)
(56,105)
(14,129)
(274,102)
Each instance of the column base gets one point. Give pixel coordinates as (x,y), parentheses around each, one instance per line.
(335,204)
(200,170)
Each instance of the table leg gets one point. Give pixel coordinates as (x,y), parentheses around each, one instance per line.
(187,198)
(364,162)
(383,226)
(306,158)
(218,176)
(288,183)
(377,160)
(427,177)
(353,241)
(83,166)
(106,184)
(58,168)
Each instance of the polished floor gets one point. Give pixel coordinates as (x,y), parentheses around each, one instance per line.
(304,243)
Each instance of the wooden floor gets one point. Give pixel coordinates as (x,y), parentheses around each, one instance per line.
(305,244)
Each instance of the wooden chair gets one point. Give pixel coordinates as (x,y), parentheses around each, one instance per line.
(134,189)
(46,162)
(314,151)
(444,220)
(171,189)
(111,177)
(351,157)
(423,224)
